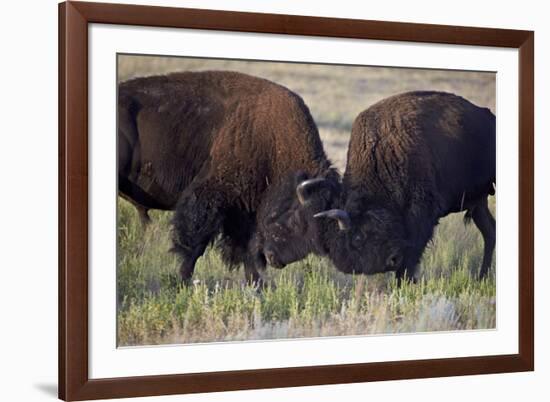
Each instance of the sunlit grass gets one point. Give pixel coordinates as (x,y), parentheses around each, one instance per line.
(307,299)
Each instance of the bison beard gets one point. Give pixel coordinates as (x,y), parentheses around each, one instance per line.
(413,159)
(216,147)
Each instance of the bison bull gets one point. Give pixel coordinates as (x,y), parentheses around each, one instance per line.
(216,147)
(413,159)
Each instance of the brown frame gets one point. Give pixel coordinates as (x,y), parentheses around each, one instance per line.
(74,383)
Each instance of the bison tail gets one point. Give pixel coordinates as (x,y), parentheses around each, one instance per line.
(492,188)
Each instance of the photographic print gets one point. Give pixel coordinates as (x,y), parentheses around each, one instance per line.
(286,200)
(263,200)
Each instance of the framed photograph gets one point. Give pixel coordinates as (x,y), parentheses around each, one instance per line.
(258,200)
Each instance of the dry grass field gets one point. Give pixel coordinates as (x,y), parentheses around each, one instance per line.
(309,298)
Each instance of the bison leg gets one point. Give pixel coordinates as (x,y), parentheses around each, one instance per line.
(252,275)
(485,222)
(144,217)
(142,211)
(252,266)
(406,274)
(188,260)
(197,220)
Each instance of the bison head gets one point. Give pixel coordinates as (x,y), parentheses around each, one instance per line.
(369,240)
(359,237)
(289,228)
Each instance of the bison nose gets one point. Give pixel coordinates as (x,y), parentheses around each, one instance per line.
(272,259)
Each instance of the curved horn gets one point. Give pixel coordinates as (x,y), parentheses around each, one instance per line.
(344,221)
(305,187)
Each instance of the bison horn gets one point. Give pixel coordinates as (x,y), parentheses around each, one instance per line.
(304,188)
(344,221)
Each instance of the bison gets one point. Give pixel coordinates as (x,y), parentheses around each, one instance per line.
(214,146)
(413,158)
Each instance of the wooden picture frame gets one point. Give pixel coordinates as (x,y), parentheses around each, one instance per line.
(74,381)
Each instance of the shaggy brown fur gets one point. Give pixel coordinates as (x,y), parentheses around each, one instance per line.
(213,146)
(418,157)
